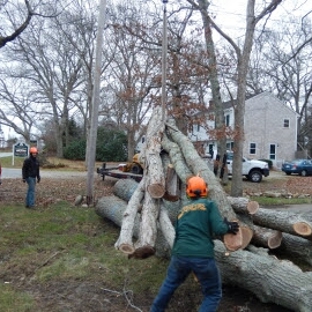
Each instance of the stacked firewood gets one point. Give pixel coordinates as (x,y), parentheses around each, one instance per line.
(146,212)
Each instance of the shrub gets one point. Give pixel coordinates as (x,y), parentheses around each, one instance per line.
(76,150)
(111,146)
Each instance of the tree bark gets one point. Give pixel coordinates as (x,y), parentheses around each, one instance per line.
(113,209)
(299,248)
(267,238)
(285,221)
(270,279)
(243,205)
(124,242)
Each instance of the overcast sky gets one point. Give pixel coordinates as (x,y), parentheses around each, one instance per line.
(231,15)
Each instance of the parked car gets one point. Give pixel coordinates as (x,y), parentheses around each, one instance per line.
(252,169)
(302,167)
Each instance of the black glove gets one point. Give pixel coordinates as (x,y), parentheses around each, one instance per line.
(233,226)
(24,180)
(38,180)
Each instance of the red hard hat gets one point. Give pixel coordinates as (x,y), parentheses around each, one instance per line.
(33,150)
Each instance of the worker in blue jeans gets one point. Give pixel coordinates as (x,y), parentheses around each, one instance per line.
(193,248)
(31,173)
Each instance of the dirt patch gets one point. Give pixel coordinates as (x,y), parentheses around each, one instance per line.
(95,295)
(279,182)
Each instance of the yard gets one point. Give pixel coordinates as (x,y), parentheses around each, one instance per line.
(62,258)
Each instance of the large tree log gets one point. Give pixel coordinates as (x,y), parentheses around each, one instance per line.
(285,221)
(148,224)
(243,205)
(216,192)
(270,279)
(155,180)
(113,208)
(176,158)
(267,238)
(297,247)
(124,242)
(125,188)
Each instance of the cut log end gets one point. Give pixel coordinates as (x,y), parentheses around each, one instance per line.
(233,242)
(126,248)
(247,234)
(156,190)
(252,207)
(275,240)
(302,228)
(142,252)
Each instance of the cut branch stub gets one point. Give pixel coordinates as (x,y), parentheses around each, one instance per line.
(126,248)
(156,190)
(252,207)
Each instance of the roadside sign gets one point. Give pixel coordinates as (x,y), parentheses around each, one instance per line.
(20,150)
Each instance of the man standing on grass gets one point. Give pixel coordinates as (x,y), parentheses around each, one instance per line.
(31,172)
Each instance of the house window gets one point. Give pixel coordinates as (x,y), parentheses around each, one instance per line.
(286,123)
(227,120)
(252,148)
(229,146)
(272,151)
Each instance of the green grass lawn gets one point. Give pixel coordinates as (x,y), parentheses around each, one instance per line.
(64,244)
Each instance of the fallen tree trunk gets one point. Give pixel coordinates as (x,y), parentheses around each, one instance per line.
(270,279)
(267,238)
(113,209)
(285,221)
(243,205)
(299,248)
(124,242)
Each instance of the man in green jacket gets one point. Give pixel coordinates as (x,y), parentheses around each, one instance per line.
(193,248)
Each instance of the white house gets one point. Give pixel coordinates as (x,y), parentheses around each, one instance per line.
(270,130)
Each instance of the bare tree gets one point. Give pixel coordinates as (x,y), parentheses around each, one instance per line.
(17,17)
(243,58)
(50,64)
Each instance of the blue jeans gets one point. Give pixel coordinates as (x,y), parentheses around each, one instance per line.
(31,195)
(207,274)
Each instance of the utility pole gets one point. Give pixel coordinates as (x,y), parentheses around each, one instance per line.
(164,62)
(95,103)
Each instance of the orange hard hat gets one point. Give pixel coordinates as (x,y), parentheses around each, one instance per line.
(196,187)
(33,150)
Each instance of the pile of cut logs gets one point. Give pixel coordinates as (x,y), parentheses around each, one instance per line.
(146,212)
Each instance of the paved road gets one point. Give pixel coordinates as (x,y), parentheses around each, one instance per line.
(11,173)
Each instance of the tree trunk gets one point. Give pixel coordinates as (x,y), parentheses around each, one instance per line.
(299,248)
(285,221)
(124,242)
(113,209)
(270,279)
(243,205)
(267,238)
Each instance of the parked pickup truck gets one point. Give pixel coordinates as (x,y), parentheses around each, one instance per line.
(253,169)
